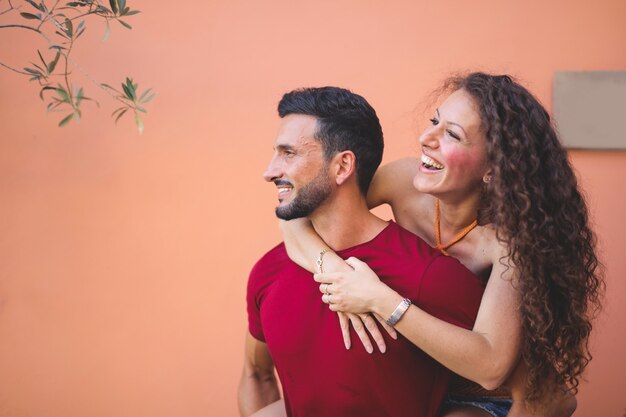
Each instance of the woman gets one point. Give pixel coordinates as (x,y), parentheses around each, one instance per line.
(493,187)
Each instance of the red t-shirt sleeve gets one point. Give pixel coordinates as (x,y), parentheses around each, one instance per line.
(253,297)
(450,292)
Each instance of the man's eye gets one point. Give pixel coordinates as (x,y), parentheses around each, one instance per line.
(434,121)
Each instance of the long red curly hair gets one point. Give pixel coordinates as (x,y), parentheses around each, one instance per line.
(538,211)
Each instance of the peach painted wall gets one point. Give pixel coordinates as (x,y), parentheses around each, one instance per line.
(124,258)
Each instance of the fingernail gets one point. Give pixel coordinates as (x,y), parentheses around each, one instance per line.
(369,349)
(395,336)
(383,349)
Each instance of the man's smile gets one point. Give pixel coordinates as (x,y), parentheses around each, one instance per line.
(284,188)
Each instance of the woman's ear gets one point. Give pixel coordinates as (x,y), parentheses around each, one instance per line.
(344,166)
(488,177)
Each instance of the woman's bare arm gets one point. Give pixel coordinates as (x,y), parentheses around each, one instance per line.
(486,354)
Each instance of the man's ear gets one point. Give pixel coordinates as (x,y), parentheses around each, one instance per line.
(344,166)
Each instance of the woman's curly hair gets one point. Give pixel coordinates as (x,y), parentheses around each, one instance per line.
(537,209)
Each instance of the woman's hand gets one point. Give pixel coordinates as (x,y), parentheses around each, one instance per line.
(341,283)
(363,324)
(353,291)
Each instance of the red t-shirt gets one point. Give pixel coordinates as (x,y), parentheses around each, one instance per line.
(320,378)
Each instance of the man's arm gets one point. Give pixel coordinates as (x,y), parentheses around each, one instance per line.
(258,386)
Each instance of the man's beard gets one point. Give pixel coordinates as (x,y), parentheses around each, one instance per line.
(308,198)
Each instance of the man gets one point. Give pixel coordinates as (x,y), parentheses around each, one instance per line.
(328,147)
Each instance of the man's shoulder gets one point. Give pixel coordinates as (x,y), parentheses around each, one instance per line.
(422,257)
(273,260)
(412,245)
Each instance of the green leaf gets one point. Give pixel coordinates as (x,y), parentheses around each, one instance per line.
(31,16)
(52,65)
(127,92)
(118,110)
(113,4)
(35,5)
(149,99)
(80,25)
(139,123)
(121,4)
(70,27)
(141,109)
(100,8)
(90,99)
(126,25)
(54,105)
(122,112)
(32,71)
(38,67)
(65,96)
(132,12)
(145,93)
(107,33)
(66,120)
(41,57)
(131,88)
(44,89)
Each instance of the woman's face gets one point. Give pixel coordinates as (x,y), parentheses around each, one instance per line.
(453,149)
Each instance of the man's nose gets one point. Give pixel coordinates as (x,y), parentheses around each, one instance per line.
(272,171)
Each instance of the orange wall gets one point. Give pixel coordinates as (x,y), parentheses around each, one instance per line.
(124,258)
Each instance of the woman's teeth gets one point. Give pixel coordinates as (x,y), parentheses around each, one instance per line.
(430,163)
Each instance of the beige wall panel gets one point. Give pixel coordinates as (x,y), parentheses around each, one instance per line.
(587,106)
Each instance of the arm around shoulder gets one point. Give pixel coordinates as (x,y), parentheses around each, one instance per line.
(258,386)
(487,353)
(392,181)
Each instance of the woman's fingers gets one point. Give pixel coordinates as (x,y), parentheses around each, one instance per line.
(327,277)
(326,288)
(356,263)
(372,328)
(344,322)
(359,328)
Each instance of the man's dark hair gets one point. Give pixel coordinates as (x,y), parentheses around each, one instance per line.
(345,122)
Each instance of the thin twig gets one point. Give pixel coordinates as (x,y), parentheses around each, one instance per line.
(66,56)
(9,9)
(21,27)
(47,12)
(67,81)
(82,15)
(15,70)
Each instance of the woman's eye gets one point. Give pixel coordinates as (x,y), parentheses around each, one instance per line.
(434,121)
(454,135)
